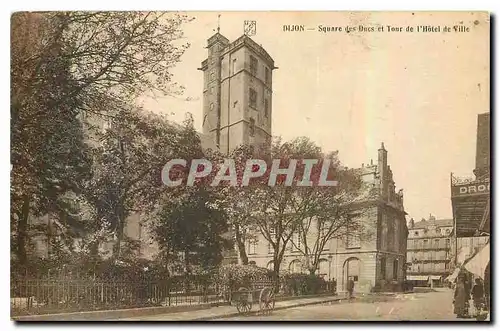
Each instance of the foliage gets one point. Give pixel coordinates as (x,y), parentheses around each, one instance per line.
(128,164)
(64,64)
(190,227)
(234,276)
(48,155)
(300,284)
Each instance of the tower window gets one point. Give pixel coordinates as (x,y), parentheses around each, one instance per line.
(267,77)
(211,106)
(266,108)
(253,98)
(252,127)
(253,65)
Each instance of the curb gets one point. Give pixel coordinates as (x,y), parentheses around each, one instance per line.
(254,313)
(102,315)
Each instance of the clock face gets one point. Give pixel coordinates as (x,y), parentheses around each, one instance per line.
(250,28)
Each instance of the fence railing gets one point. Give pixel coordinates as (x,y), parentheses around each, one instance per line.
(42,296)
(32,296)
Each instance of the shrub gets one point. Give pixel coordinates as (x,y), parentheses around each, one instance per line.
(303,284)
(234,276)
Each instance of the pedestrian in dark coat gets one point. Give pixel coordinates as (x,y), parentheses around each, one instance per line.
(350,287)
(478,294)
(460,298)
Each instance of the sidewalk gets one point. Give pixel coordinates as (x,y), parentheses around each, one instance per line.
(230,311)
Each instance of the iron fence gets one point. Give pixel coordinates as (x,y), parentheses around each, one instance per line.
(42,296)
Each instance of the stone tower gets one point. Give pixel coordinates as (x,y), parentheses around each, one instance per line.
(237,94)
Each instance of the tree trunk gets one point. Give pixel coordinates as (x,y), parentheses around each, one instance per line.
(276,276)
(22,232)
(119,237)
(241,245)
(277,258)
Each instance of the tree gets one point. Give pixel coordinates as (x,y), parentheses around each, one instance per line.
(191,225)
(48,155)
(277,211)
(64,63)
(129,160)
(335,213)
(237,202)
(191,229)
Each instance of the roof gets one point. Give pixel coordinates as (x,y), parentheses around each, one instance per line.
(424,224)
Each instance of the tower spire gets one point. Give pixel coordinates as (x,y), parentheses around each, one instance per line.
(218,23)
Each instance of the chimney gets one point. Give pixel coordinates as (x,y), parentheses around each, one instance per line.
(382,168)
(412,223)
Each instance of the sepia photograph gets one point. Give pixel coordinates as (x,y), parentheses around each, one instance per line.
(250,166)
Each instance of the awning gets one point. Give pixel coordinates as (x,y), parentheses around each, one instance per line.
(477,264)
(417,277)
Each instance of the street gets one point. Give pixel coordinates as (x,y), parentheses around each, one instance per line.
(430,306)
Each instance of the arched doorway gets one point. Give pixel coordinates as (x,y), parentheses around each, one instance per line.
(270,265)
(352,269)
(295,266)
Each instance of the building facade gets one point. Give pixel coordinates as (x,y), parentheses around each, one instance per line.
(376,261)
(237,94)
(470,198)
(430,251)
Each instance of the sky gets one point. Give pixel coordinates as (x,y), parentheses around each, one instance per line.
(418,93)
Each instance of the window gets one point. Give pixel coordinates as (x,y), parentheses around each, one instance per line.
(211,90)
(252,246)
(395,267)
(253,98)
(355,278)
(212,75)
(447,242)
(270,248)
(267,76)
(253,65)
(382,268)
(296,244)
(436,243)
(425,243)
(211,106)
(295,266)
(353,240)
(252,127)
(266,108)
(416,233)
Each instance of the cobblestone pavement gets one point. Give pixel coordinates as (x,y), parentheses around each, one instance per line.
(216,312)
(432,306)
